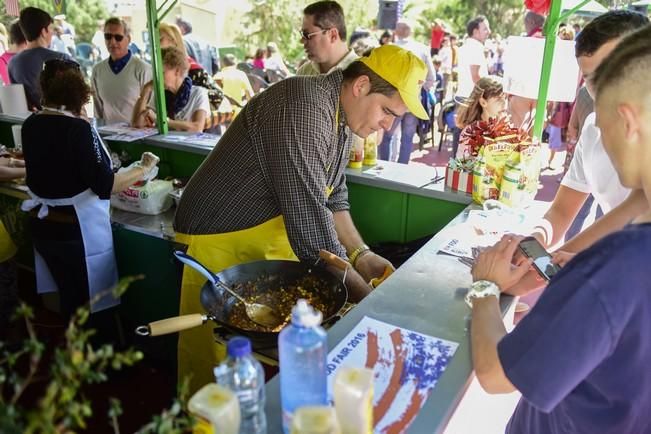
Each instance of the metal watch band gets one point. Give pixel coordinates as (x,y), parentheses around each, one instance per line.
(482,289)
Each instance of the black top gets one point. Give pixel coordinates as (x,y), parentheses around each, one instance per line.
(63,157)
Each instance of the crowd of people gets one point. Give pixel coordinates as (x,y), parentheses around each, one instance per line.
(275,187)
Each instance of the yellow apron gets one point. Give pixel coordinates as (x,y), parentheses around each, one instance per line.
(7,247)
(198,353)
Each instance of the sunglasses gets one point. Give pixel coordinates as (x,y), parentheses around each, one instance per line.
(307,36)
(60,64)
(117,37)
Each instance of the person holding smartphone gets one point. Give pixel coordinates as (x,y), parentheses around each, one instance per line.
(580,357)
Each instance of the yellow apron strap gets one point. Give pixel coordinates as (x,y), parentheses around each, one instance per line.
(198,353)
(7,247)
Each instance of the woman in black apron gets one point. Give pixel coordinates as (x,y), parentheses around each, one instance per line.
(70,179)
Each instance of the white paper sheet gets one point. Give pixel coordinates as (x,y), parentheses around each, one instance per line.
(406,366)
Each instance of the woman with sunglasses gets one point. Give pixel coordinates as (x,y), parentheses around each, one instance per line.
(70,181)
(486,101)
(188,107)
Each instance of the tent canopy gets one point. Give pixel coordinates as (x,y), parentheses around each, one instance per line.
(592,8)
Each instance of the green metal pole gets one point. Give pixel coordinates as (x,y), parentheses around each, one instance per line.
(157,67)
(551,27)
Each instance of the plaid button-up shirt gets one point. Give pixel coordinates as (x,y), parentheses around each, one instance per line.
(287,148)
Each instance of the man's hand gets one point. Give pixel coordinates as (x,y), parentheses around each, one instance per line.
(532,280)
(495,263)
(561,258)
(357,287)
(370,266)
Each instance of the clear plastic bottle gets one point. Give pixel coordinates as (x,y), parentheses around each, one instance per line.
(243,374)
(302,351)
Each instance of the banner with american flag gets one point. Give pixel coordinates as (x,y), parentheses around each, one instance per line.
(12,8)
(406,367)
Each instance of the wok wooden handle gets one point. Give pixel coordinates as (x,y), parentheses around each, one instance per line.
(334,260)
(176,324)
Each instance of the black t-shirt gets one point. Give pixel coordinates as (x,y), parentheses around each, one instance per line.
(63,157)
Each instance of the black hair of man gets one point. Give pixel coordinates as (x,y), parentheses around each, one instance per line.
(474,24)
(605,28)
(327,15)
(16,35)
(629,63)
(32,21)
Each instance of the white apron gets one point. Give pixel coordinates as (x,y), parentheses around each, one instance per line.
(95,225)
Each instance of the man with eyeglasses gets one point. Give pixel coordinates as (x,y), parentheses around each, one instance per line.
(117,80)
(323,35)
(26,66)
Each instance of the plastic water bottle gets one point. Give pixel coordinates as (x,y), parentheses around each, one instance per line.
(243,374)
(302,351)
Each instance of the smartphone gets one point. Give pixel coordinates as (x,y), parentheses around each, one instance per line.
(542,260)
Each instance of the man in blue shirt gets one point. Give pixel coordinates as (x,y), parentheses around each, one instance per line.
(581,356)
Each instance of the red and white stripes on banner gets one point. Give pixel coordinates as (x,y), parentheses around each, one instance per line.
(12,8)
(458,180)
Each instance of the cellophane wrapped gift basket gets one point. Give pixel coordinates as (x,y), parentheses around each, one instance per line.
(504,161)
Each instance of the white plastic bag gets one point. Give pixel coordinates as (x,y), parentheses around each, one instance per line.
(151,198)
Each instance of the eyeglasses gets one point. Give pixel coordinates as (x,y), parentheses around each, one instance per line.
(117,37)
(59,64)
(307,36)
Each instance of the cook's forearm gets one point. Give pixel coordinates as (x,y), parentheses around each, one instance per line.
(486,330)
(346,231)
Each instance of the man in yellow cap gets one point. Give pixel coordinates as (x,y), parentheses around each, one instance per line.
(274,187)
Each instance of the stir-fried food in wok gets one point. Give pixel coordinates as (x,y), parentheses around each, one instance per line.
(282,300)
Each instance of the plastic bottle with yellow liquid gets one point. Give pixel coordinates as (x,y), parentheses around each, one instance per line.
(370,150)
(353,395)
(315,420)
(356,153)
(218,410)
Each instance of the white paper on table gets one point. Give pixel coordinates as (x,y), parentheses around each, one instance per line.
(523,58)
(406,367)
(484,228)
(204,139)
(132,134)
(118,128)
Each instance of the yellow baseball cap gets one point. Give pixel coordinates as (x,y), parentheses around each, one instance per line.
(404,71)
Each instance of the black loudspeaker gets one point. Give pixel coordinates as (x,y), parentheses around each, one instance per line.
(388,14)
(642,9)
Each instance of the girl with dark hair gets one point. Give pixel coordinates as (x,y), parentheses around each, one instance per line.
(69,219)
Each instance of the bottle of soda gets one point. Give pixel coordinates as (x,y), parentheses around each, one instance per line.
(302,351)
(243,374)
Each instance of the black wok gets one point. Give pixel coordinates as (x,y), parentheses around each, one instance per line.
(267,278)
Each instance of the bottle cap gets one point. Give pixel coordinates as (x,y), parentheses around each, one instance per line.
(305,315)
(239,346)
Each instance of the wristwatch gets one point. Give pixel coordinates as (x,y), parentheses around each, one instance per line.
(482,289)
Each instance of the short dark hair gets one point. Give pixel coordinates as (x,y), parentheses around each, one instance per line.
(378,84)
(16,35)
(115,21)
(474,24)
(327,15)
(630,62)
(63,85)
(32,21)
(605,28)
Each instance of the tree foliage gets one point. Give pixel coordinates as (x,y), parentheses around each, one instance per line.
(82,14)
(505,16)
